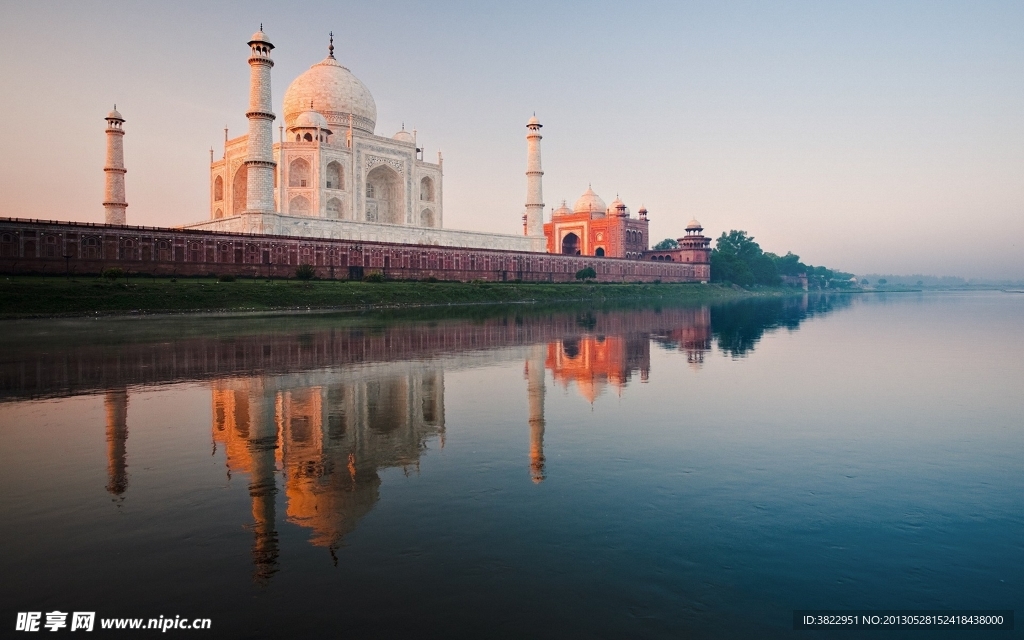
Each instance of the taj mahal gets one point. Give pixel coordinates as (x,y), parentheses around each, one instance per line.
(329,175)
(328,191)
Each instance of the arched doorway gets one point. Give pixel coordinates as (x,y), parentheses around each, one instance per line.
(571,245)
(600,252)
(385,197)
(239,186)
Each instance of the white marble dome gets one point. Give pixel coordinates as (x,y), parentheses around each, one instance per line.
(310,120)
(403,136)
(591,203)
(335,93)
(563,210)
(613,208)
(114,115)
(694,225)
(259,36)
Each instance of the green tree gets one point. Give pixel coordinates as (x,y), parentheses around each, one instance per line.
(585,273)
(305,272)
(666,244)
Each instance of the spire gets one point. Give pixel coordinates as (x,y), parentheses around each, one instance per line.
(330,49)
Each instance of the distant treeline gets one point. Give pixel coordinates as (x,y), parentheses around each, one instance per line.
(920,280)
(737,259)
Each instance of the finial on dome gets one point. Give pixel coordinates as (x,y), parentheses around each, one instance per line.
(330,49)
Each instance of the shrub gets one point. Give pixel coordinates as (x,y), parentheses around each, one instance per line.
(374,276)
(305,272)
(431,279)
(227,277)
(113,273)
(586,273)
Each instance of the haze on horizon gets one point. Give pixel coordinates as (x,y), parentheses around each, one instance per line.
(883,137)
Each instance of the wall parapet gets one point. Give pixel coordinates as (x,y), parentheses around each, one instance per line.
(81,248)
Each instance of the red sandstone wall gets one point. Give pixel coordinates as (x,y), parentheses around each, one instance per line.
(50,247)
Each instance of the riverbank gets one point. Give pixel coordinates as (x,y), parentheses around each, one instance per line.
(40,296)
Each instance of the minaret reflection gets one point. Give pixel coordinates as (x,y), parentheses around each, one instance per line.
(244,420)
(115,402)
(328,433)
(535,391)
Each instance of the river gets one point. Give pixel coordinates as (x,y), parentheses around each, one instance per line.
(518,472)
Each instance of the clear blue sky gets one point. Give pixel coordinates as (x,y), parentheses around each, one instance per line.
(867,136)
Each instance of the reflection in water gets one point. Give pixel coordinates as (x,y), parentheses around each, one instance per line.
(710,502)
(739,326)
(535,394)
(115,402)
(335,405)
(328,434)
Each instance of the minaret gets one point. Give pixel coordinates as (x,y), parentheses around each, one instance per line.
(535,393)
(113,196)
(259,157)
(116,404)
(534,195)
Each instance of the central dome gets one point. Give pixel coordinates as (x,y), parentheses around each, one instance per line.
(590,203)
(334,93)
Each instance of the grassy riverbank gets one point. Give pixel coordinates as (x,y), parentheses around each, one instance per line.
(26,296)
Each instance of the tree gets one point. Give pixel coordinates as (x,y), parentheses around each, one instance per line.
(585,273)
(882,281)
(666,244)
(305,272)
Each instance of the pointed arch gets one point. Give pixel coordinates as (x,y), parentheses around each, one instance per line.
(218,189)
(427,218)
(239,187)
(298,173)
(427,189)
(385,196)
(335,175)
(334,209)
(299,206)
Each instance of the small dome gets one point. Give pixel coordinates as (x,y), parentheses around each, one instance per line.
(534,122)
(259,36)
(563,210)
(590,203)
(694,225)
(403,136)
(613,208)
(115,115)
(310,120)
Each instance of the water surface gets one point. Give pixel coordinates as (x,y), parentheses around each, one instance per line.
(652,472)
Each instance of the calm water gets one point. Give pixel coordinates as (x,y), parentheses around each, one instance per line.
(522,473)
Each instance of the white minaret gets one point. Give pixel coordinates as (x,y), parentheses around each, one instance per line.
(534,192)
(259,156)
(113,195)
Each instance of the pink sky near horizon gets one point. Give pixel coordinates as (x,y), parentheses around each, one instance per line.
(868,137)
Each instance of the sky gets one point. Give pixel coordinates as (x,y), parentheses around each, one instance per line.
(881,137)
